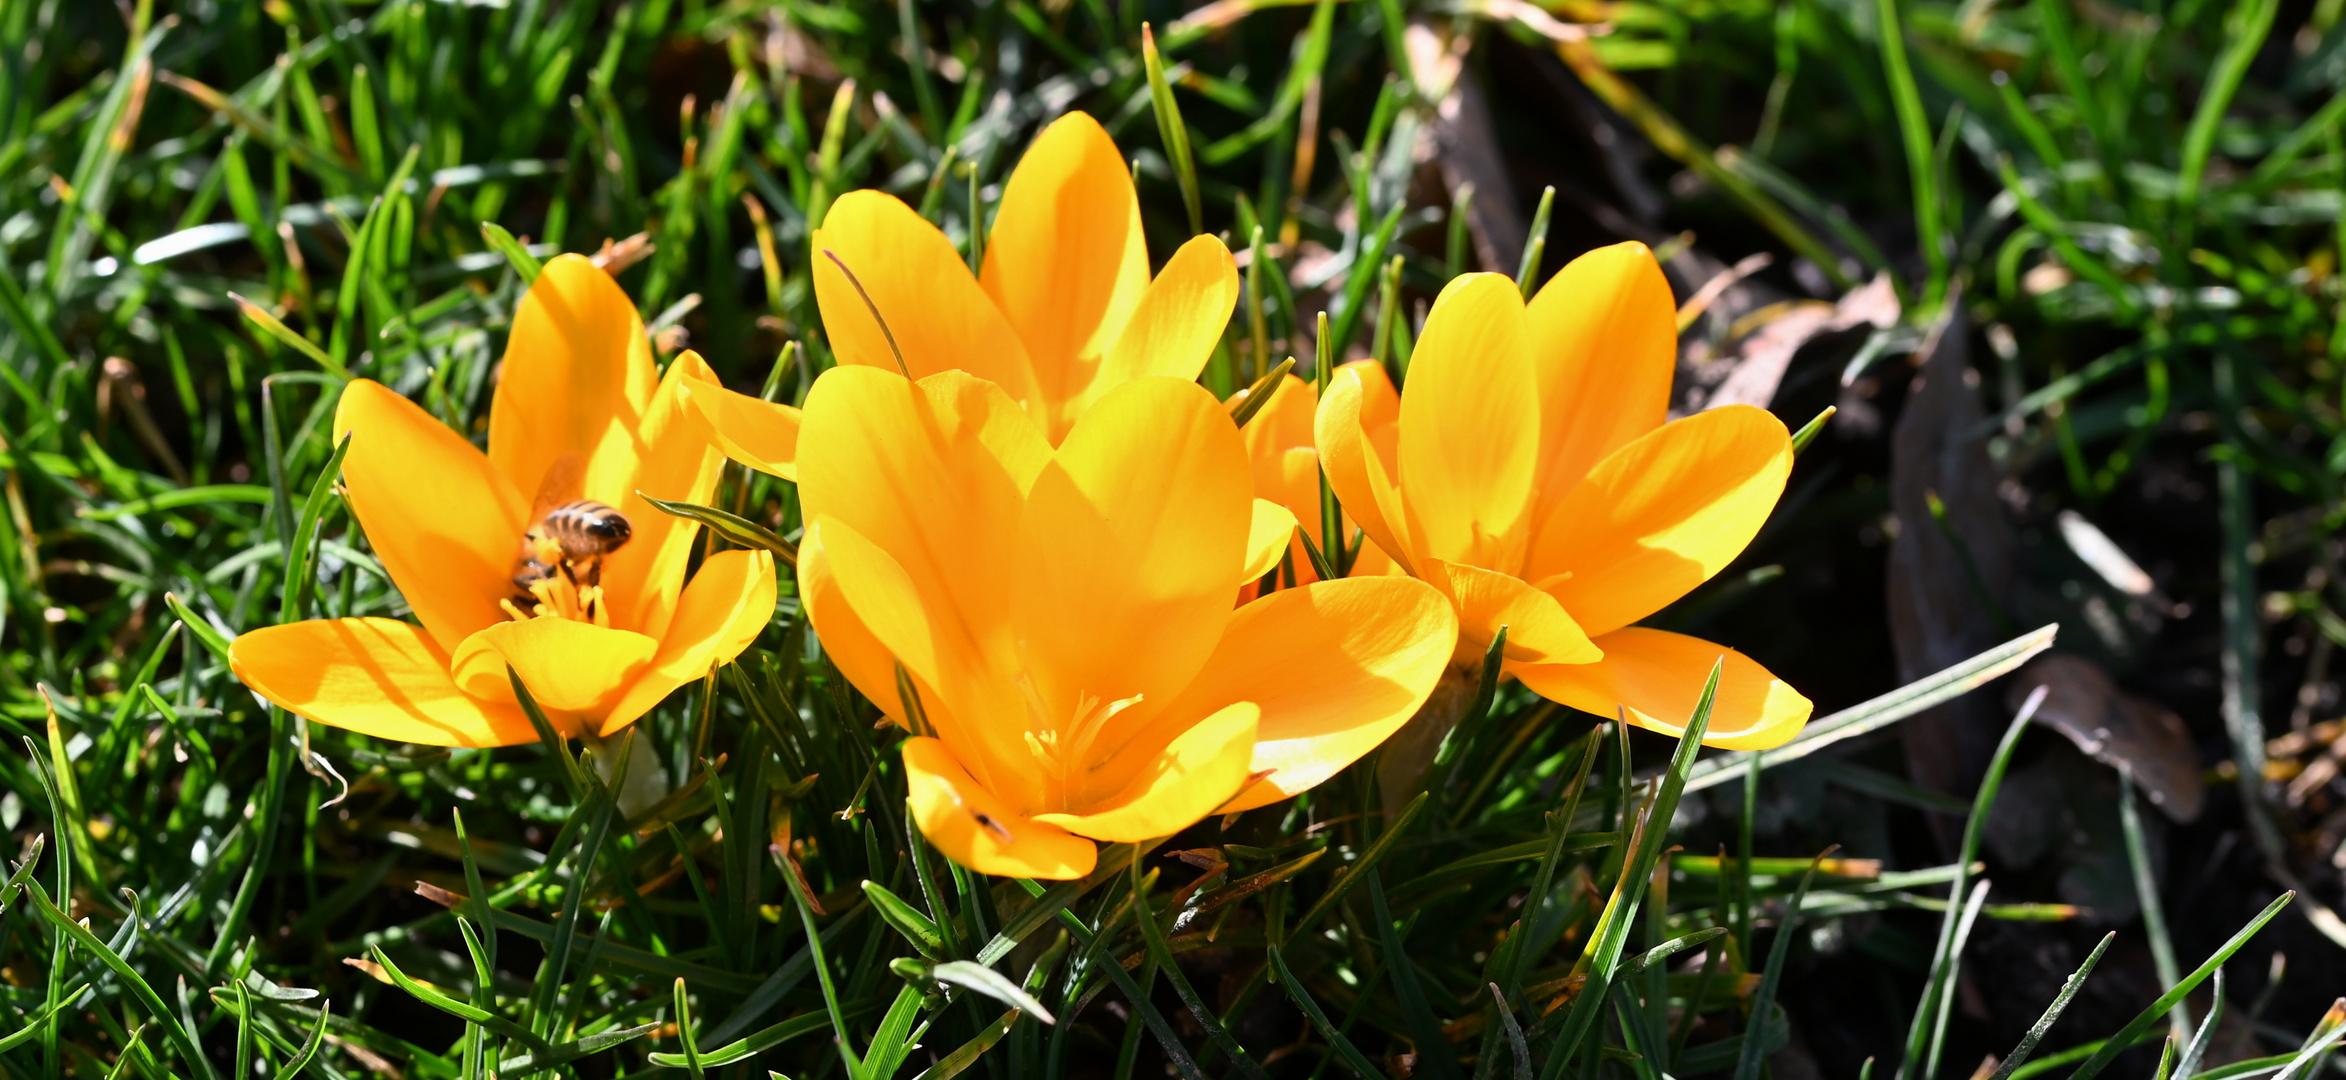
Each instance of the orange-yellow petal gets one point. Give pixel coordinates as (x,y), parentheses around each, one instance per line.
(976,829)
(1539,630)
(730,599)
(1179,320)
(1356,429)
(1131,542)
(1282,426)
(940,318)
(1267,539)
(1661,515)
(971,704)
(932,474)
(1066,263)
(1604,345)
(1181,784)
(446,525)
(1470,426)
(1336,667)
(575,671)
(1660,676)
(677,461)
(760,434)
(378,677)
(891,605)
(851,645)
(575,382)
(929,473)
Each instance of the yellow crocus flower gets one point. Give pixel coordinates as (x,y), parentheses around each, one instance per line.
(1073,668)
(580,414)
(1286,463)
(1062,312)
(1529,475)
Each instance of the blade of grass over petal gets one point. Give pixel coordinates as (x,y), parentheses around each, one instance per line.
(1881,712)
(1611,935)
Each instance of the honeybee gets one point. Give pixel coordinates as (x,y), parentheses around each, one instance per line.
(571,539)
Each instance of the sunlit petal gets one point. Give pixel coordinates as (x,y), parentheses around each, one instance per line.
(575,671)
(378,677)
(940,318)
(445,524)
(1604,345)
(1179,320)
(676,460)
(1267,539)
(976,829)
(1356,429)
(730,600)
(1131,543)
(1661,515)
(1197,772)
(931,474)
(1336,668)
(1470,426)
(969,704)
(847,642)
(760,434)
(1066,263)
(575,382)
(1539,630)
(1659,676)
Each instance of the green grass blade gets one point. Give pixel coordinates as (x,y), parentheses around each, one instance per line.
(1358,1062)
(2036,1032)
(2141,1024)
(1881,712)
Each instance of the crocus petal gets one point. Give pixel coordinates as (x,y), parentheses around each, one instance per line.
(446,525)
(677,461)
(1281,426)
(851,645)
(760,434)
(1356,429)
(940,318)
(949,668)
(1539,630)
(575,671)
(889,604)
(1199,771)
(979,831)
(1659,676)
(1661,515)
(1266,539)
(930,473)
(730,599)
(575,382)
(1604,345)
(1470,425)
(1178,321)
(378,677)
(1066,262)
(1132,540)
(1336,667)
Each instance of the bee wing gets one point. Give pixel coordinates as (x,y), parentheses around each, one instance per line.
(561,485)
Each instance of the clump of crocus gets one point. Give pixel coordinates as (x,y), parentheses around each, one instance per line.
(1062,312)
(1529,474)
(1054,623)
(507,558)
